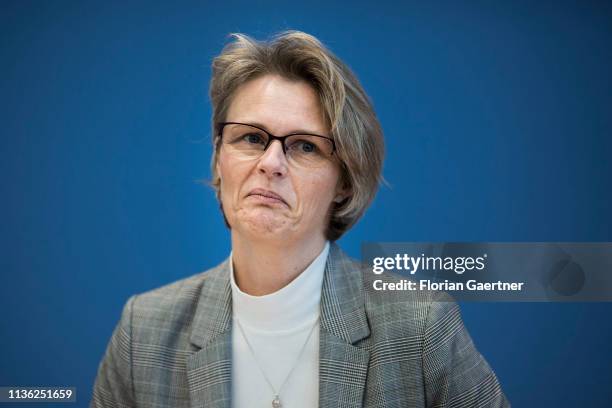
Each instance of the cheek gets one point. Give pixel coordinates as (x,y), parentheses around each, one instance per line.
(225,171)
(319,192)
(232,177)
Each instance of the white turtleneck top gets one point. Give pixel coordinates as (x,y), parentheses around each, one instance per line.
(277,327)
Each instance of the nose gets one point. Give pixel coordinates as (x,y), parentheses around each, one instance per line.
(273,162)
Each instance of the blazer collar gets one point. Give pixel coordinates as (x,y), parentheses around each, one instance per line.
(343,323)
(342,298)
(343,366)
(213,315)
(342,301)
(209,370)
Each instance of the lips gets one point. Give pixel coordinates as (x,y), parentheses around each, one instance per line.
(267,194)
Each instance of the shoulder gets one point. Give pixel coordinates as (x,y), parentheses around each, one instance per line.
(171,308)
(413,309)
(396,310)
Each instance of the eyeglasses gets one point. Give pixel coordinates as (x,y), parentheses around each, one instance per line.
(250,142)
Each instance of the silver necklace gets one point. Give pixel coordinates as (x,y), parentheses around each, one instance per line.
(276,403)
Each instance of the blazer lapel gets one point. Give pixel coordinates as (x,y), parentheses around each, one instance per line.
(209,370)
(343,366)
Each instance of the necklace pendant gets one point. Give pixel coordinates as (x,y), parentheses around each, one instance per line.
(276,402)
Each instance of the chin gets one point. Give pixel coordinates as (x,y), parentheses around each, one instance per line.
(264,224)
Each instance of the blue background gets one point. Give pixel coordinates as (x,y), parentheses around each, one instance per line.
(498,123)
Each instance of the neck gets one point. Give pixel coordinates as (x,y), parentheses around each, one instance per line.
(262,267)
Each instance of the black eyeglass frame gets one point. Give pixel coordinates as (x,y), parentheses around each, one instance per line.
(271,137)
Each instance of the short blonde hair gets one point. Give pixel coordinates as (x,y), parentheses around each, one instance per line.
(348,110)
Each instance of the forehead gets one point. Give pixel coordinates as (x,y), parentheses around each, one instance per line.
(281,105)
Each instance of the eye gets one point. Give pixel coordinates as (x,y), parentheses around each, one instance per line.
(304,146)
(253,138)
(308,147)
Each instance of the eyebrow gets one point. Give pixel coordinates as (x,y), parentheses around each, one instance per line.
(297,131)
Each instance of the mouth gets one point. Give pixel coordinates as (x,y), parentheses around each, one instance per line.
(267,196)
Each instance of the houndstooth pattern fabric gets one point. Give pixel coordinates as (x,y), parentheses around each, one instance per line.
(172,347)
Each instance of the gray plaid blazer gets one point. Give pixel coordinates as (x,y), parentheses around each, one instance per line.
(172,347)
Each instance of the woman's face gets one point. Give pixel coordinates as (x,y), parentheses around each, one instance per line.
(304,194)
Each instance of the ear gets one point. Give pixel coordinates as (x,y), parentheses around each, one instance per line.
(218,168)
(342,193)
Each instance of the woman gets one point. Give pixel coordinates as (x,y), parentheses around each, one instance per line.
(287,320)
